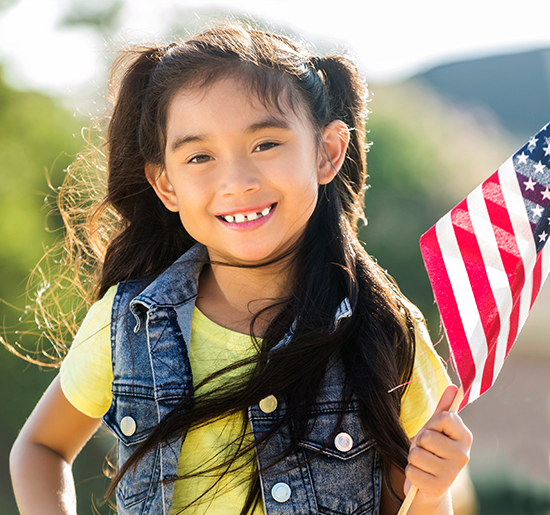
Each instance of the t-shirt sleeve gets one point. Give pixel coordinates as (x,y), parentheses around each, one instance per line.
(86,373)
(428,382)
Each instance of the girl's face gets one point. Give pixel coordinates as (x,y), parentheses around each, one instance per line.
(244,178)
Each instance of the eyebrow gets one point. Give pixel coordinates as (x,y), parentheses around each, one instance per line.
(271,122)
(184,140)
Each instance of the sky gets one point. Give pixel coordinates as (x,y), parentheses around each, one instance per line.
(391,39)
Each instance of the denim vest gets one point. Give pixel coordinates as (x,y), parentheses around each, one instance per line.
(150,335)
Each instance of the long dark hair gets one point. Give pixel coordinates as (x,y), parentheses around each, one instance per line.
(375,344)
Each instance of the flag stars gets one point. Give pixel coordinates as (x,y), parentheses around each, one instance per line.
(539,168)
(545,194)
(537,211)
(547,149)
(530,184)
(532,143)
(543,236)
(522,158)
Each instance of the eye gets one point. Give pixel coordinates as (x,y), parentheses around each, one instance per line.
(265,146)
(202,158)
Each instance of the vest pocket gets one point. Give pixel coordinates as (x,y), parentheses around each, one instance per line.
(343,464)
(131,418)
(133,414)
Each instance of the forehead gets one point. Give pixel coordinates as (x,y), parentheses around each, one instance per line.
(238,97)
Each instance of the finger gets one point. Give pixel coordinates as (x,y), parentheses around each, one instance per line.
(428,485)
(426,461)
(445,402)
(438,443)
(451,425)
(443,468)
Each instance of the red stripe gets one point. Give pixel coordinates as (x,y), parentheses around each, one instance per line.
(448,308)
(508,248)
(480,285)
(514,325)
(537,279)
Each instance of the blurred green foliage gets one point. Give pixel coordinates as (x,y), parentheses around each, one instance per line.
(38,139)
(501,492)
(103,16)
(4,4)
(400,204)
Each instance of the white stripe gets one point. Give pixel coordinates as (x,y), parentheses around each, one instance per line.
(523,233)
(545,261)
(460,283)
(496,273)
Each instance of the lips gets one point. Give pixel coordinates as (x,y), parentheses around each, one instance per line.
(246,216)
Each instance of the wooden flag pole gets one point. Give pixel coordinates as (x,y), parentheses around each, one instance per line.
(409,498)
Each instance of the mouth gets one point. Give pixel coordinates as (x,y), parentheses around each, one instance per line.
(250,216)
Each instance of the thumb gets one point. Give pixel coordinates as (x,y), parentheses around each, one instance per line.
(446,400)
(444,404)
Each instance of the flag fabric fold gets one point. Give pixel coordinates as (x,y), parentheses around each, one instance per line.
(487,260)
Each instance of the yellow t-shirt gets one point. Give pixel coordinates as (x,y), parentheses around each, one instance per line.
(86,376)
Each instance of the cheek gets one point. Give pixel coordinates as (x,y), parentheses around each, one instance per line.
(305,201)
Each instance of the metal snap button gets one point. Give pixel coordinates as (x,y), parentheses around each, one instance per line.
(343,442)
(269,404)
(281,492)
(128,426)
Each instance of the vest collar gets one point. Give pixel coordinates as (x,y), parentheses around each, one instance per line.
(178,285)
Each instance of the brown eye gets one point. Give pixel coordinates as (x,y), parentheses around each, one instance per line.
(265,146)
(200,159)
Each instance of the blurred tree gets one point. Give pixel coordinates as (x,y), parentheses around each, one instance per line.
(37,138)
(4,4)
(103,16)
(425,157)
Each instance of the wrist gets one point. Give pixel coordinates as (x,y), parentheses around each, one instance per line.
(432,506)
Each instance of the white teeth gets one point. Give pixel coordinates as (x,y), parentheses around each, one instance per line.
(240,218)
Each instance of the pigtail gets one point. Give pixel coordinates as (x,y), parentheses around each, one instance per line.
(151,234)
(380,312)
(347,98)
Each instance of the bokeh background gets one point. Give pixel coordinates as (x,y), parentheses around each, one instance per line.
(457,86)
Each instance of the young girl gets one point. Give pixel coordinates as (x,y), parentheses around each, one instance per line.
(246,351)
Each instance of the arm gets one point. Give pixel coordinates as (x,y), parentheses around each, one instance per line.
(438,453)
(42,455)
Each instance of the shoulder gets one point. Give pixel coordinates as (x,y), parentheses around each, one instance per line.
(86,372)
(97,320)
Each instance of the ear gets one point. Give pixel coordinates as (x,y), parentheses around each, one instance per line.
(334,145)
(159,180)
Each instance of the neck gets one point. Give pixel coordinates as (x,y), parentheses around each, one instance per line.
(232,296)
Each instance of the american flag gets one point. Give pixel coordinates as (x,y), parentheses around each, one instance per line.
(487,260)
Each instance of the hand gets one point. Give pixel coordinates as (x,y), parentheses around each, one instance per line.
(439,451)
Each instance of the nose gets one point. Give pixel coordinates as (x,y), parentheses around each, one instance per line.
(239,177)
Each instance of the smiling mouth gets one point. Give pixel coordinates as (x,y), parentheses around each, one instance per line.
(240,218)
